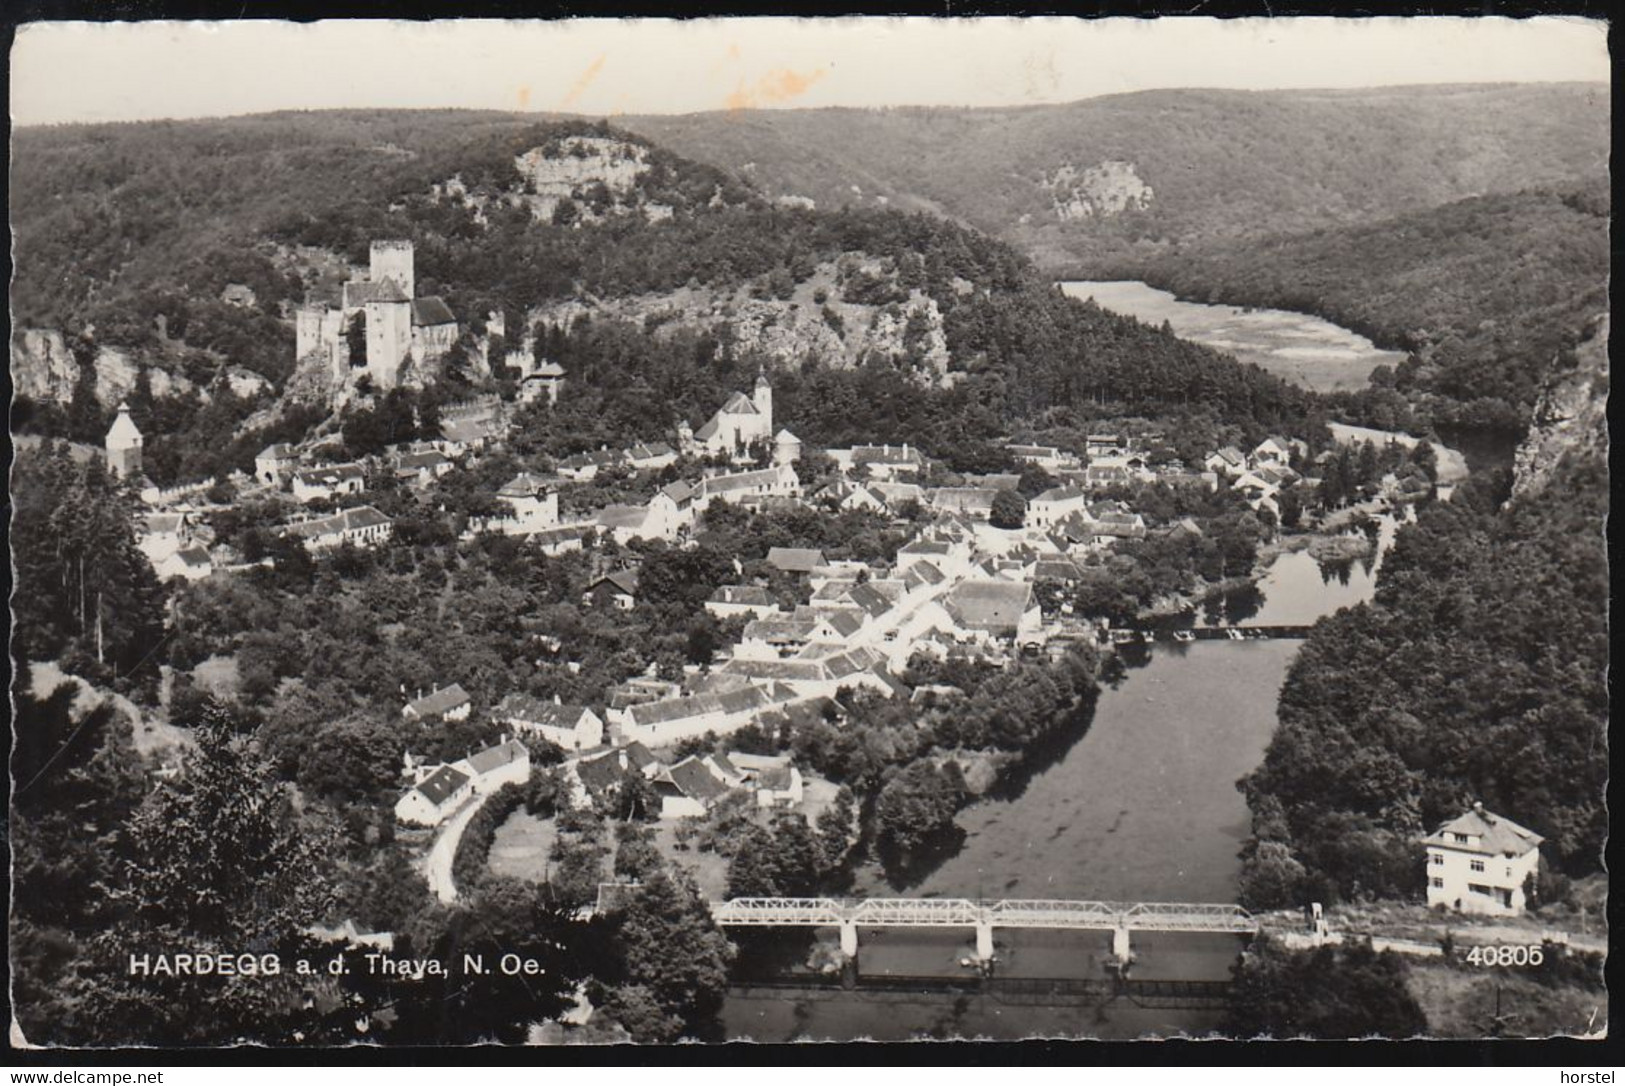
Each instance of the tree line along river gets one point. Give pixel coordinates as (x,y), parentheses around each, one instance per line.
(1142,807)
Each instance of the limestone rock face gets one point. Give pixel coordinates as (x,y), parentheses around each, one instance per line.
(1570,416)
(42,367)
(1096,192)
(818,318)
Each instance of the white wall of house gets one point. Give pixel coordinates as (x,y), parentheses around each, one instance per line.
(1470,882)
(416,809)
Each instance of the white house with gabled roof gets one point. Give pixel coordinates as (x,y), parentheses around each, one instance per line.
(1478,862)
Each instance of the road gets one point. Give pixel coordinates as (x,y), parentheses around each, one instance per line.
(437,865)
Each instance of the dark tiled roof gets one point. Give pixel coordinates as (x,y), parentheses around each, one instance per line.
(529,710)
(440,702)
(503,754)
(430,311)
(624,580)
(744,594)
(442,784)
(360,293)
(795,559)
(697,781)
(993,606)
(1497,836)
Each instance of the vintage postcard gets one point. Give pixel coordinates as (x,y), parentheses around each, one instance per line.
(628,531)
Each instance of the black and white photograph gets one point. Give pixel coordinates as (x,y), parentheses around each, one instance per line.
(623,532)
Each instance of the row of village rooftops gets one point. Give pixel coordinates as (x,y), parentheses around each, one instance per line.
(686,787)
(875,477)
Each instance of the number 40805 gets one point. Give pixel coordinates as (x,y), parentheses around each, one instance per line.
(1506,955)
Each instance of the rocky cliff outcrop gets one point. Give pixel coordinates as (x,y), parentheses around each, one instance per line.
(1101,191)
(828,316)
(1571,416)
(42,367)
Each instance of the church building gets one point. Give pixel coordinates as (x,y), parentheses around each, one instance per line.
(741,422)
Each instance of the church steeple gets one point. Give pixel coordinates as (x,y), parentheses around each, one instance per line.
(762,397)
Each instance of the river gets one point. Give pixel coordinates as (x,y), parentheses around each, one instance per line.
(1143,807)
(1305,350)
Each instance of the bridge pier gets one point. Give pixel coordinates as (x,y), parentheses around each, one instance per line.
(849,939)
(984,941)
(1122,950)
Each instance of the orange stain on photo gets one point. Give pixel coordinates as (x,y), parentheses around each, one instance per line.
(524,97)
(583,81)
(781,85)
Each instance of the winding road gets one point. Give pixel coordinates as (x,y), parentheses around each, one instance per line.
(438,863)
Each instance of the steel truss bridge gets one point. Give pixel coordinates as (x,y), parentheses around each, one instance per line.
(1119,918)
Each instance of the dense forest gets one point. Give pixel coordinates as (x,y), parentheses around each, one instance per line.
(1477,674)
(1218,163)
(1484,293)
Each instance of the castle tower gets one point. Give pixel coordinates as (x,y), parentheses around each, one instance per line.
(762,397)
(389,337)
(393,260)
(124,445)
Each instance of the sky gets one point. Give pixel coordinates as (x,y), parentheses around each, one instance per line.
(76,72)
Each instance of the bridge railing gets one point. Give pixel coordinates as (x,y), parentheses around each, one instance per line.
(963,912)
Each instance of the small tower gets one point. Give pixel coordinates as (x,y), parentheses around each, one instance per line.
(786,448)
(124,445)
(685,437)
(763,399)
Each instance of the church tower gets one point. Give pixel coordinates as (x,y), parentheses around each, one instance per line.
(763,399)
(124,445)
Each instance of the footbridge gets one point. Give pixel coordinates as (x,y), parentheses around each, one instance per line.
(1119,918)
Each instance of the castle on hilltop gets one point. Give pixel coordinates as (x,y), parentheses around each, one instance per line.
(399,324)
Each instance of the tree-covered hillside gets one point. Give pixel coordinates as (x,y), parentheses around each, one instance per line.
(1484,292)
(1018,349)
(1219,164)
(1479,673)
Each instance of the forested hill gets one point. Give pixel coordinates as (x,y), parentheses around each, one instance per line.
(119,226)
(1479,673)
(1097,185)
(1486,292)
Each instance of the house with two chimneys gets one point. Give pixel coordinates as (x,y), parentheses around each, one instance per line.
(882,463)
(1479,862)
(748,487)
(442,703)
(734,600)
(361,526)
(571,727)
(438,791)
